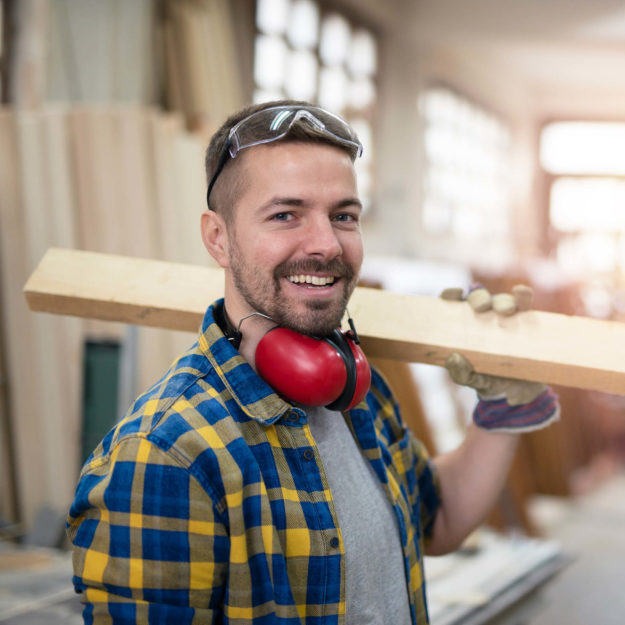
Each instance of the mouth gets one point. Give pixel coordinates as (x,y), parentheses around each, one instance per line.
(311,281)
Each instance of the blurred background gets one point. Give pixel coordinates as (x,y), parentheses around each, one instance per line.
(494,137)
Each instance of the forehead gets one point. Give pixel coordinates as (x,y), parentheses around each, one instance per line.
(281,163)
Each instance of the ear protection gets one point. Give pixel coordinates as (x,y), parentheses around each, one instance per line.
(331,371)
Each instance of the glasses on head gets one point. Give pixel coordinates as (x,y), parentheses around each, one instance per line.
(274,123)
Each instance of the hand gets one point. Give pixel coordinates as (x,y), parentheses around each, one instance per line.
(516,392)
(505,404)
(505,304)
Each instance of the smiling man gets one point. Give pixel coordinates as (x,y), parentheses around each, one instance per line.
(223,496)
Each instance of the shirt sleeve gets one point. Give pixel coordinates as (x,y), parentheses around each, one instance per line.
(149,544)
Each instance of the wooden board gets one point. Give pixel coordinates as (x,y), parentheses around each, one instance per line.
(36,212)
(533,345)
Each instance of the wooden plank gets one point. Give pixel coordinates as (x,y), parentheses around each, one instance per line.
(19,328)
(533,345)
(179,180)
(60,340)
(94,285)
(135,176)
(12,317)
(48,220)
(37,213)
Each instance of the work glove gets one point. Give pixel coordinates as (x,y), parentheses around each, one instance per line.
(505,404)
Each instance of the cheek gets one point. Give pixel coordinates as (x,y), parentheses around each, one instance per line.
(272,250)
(353,250)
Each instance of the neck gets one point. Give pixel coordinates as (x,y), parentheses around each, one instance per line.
(251,326)
(256,326)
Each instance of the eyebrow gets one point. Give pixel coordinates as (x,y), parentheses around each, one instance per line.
(294,201)
(352,201)
(284,201)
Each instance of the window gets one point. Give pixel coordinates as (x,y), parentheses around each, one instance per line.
(583,148)
(465,195)
(307,53)
(585,162)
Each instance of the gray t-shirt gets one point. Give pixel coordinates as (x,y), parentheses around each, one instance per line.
(375,588)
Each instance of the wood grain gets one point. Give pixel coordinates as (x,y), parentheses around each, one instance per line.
(533,345)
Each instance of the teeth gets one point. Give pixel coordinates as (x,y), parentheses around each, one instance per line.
(315,280)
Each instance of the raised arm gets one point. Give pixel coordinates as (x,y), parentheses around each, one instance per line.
(472,476)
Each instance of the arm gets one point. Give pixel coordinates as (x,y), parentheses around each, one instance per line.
(471,478)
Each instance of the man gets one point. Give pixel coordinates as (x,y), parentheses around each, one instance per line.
(216,499)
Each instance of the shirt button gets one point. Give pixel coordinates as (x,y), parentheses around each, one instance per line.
(309,454)
(334,542)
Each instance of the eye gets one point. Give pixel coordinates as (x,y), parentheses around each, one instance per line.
(347,218)
(283,216)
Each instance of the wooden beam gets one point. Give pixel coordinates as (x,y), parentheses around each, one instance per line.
(533,345)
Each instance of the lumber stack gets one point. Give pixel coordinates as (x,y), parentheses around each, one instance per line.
(124,180)
(202,76)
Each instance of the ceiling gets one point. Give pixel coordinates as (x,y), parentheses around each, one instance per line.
(599,22)
(568,52)
(556,47)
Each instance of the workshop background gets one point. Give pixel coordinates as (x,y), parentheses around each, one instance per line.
(494,137)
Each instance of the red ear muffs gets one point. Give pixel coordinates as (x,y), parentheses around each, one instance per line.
(331,371)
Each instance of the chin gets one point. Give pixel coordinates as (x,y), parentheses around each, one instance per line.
(313,322)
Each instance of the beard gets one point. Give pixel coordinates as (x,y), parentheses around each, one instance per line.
(263,292)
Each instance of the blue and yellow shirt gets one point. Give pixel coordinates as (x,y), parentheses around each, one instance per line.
(208,502)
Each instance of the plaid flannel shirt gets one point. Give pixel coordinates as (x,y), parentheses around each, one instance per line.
(208,502)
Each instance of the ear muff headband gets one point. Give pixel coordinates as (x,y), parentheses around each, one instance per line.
(338,340)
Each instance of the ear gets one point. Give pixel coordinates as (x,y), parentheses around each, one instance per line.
(215,237)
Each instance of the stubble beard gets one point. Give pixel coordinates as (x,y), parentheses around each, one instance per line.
(265,295)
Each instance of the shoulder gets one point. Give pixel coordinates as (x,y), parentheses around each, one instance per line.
(186,399)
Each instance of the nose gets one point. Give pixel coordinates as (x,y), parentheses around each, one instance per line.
(320,238)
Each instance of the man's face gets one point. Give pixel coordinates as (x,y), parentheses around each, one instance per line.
(294,244)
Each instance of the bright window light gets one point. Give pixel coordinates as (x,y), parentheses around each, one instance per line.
(588,253)
(303,29)
(361,93)
(588,204)
(301,80)
(306,51)
(335,39)
(263,95)
(333,88)
(583,148)
(362,54)
(272,16)
(270,57)
(466,190)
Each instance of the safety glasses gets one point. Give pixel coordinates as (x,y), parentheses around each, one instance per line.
(274,123)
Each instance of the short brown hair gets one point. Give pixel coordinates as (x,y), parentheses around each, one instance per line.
(225,196)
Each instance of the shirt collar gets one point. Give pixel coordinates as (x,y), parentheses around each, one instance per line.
(255,397)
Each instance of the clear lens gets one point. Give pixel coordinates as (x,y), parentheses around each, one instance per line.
(274,123)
